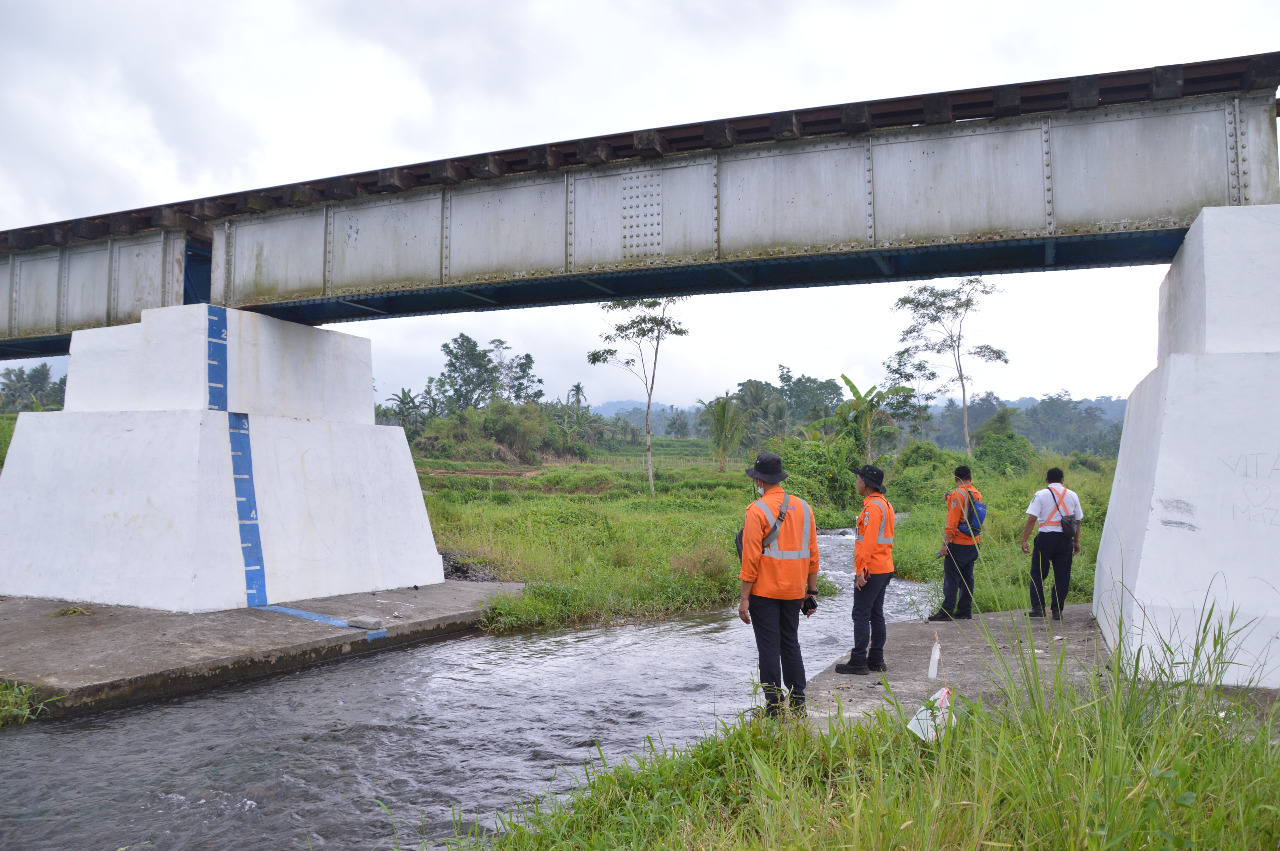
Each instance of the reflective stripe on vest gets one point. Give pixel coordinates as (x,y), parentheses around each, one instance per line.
(1059,505)
(773,551)
(880,538)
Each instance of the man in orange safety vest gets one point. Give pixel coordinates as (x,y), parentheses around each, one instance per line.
(873,566)
(779,580)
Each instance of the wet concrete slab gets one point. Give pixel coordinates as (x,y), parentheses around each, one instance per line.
(110,656)
(975,655)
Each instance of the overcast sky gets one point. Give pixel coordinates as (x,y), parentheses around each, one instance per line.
(111,106)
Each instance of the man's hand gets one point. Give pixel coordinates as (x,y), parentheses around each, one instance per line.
(1075,546)
(744,611)
(862,578)
(810,604)
(1025,548)
(942,553)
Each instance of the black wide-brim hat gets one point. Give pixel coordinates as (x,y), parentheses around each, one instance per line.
(768,468)
(873,476)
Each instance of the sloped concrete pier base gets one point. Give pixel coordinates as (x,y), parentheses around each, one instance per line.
(212,459)
(1193,530)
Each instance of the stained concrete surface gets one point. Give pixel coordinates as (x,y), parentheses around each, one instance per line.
(121,655)
(970,666)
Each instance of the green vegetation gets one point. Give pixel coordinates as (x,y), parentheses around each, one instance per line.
(594,547)
(1120,762)
(19,704)
(7,422)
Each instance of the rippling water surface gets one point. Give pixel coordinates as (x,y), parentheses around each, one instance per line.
(467,725)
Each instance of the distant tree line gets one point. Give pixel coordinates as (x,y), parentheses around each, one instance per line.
(23,389)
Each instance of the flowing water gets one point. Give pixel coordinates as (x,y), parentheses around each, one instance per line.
(468,726)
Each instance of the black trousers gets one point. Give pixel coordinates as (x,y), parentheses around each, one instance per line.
(868,618)
(776,625)
(957,579)
(1051,550)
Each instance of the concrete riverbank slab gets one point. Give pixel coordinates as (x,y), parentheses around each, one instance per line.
(111,656)
(970,666)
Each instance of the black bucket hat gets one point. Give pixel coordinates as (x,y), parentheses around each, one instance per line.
(873,476)
(768,468)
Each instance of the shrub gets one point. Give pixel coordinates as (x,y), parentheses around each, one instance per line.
(1008,454)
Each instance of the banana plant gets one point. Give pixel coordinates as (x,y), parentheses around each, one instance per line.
(861,416)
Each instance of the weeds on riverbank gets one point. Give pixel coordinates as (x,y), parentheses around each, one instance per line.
(19,704)
(1118,762)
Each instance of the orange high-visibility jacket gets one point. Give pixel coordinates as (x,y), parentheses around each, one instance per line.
(958,502)
(782,571)
(873,538)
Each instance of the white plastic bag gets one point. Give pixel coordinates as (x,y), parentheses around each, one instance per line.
(933,717)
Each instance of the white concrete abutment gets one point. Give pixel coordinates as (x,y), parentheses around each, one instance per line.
(211,459)
(1193,529)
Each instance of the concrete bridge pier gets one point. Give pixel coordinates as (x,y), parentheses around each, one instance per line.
(212,459)
(1194,519)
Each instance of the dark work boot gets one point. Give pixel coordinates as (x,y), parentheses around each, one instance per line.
(859,667)
(940,615)
(1057,615)
(1036,613)
(876,664)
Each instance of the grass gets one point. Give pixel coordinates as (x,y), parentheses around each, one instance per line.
(594,547)
(19,704)
(7,422)
(1118,762)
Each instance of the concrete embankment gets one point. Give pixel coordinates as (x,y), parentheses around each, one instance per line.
(970,665)
(110,656)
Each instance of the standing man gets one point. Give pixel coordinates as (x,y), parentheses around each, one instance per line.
(959,550)
(1052,509)
(873,566)
(779,575)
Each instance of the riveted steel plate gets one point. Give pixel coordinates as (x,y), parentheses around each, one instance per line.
(86,298)
(38,294)
(515,230)
(1120,170)
(690,218)
(6,294)
(784,198)
(953,184)
(277,257)
(139,276)
(385,243)
(597,205)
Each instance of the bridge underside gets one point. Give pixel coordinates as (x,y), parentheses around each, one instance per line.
(1025,255)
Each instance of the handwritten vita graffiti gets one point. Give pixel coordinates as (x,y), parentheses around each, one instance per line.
(1259,500)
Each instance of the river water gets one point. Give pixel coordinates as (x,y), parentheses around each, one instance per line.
(467,726)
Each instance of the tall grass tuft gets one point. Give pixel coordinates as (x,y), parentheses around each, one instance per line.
(20,704)
(1117,760)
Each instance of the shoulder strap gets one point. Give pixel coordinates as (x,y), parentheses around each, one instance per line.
(777,525)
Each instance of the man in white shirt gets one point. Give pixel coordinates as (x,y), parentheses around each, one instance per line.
(1051,509)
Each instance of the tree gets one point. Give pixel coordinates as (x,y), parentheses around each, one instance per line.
(469,375)
(865,415)
(808,399)
(727,423)
(406,412)
(678,424)
(513,376)
(937,328)
(30,390)
(648,323)
(917,376)
(577,394)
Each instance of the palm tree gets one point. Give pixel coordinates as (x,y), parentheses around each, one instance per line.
(406,409)
(727,423)
(577,395)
